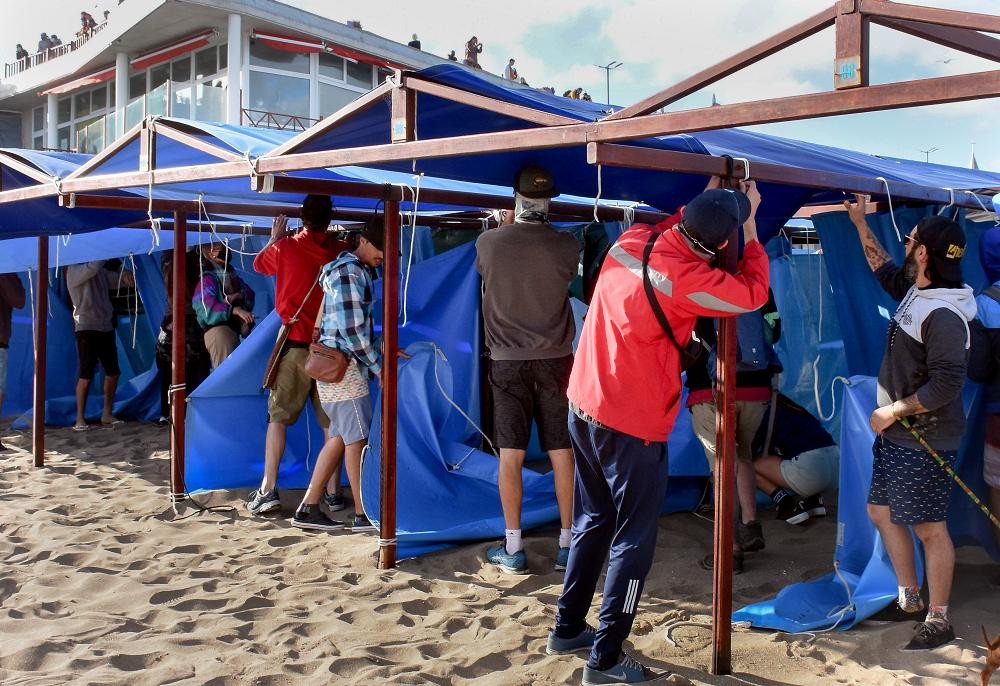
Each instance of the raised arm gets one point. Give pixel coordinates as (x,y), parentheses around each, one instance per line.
(874,252)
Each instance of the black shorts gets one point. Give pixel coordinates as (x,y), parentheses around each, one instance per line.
(97,346)
(910,482)
(531,389)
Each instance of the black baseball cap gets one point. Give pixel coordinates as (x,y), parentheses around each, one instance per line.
(533,181)
(713,216)
(945,243)
(374,231)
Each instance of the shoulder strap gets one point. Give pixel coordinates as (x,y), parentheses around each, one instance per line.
(992,292)
(647,285)
(295,317)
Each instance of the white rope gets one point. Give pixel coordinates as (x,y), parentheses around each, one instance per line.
(409,258)
(819,352)
(951,199)
(597,198)
(892,213)
(437,380)
(746,167)
(980,201)
(213,228)
(135,292)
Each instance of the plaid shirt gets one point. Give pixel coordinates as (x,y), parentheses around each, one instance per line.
(348,310)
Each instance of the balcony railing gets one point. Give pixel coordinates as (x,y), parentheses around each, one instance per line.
(12,68)
(273,120)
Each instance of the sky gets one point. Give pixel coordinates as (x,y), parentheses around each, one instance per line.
(557,43)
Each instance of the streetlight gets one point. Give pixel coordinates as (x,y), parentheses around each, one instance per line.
(927,153)
(608,68)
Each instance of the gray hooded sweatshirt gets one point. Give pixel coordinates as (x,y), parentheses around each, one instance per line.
(927,352)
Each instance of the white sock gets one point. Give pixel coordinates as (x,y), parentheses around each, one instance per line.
(513,541)
(565,537)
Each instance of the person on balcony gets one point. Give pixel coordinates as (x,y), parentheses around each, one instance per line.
(20,53)
(44,43)
(473,48)
(55,40)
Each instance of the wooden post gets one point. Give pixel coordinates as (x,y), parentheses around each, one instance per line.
(404,113)
(725,481)
(850,68)
(177,383)
(390,346)
(41,336)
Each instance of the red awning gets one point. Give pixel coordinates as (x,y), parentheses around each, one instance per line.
(310,45)
(169,52)
(89,80)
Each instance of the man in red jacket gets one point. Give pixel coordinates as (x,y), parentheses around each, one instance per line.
(624,394)
(296,260)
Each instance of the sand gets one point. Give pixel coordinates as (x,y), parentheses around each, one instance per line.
(101,585)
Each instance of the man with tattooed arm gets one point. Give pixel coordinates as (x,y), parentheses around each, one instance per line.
(921,380)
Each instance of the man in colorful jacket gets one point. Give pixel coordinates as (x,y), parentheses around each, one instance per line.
(624,395)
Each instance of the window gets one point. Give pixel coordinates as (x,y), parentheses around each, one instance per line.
(62,138)
(99,99)
(64,111)
(206,62)
(181,103)
(332,98)
(331,66)
(82,103)
(38,117)
(180,70)
(277,93)
(262,55)
(137,86)
(36,143)
(210,100)
(158,76)
(359,74)
(223,56)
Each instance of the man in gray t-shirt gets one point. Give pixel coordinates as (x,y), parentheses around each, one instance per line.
(93,320)
(527,267)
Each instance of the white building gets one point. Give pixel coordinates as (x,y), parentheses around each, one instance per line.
(177,58)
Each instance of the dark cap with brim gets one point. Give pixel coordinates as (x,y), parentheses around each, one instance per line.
(713,216)
(945,243)
(535,182)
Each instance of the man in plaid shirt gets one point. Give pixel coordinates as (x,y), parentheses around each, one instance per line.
(347,324)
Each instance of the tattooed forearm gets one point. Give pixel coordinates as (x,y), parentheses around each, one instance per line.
(908,406)
(874,252)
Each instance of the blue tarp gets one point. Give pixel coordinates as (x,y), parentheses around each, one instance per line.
(863,581)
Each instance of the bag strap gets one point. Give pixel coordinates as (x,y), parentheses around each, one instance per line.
(992,292)
(295,317)
(647,285)
(318,319)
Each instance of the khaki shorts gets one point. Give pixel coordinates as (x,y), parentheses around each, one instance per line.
(292,388)
(220,341)
(813,471)
(749,415)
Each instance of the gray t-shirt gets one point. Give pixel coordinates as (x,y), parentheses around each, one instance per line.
(527,269)
(89,284)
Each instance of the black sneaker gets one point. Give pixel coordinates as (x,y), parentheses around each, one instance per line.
(784,506)
(259,503)
(708,562)
(814,504)
(334,502)
(312,517)
(930,635)
(361,523)
(799,513)
(750,536)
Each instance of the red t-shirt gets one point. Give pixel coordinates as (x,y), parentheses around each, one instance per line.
(296,261)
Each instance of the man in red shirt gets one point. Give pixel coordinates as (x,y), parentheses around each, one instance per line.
(624,394)
(295,260)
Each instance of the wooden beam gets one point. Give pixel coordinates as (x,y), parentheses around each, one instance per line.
(850,67)
(989,23)
(491,104)
(740,60)
(634,157)
(352,108)
(966,40)
(403,118)
(166,129)
(100,158)
(390,367)
(8,160)
(178,387)
(41,344)
(135,202)
(147,147)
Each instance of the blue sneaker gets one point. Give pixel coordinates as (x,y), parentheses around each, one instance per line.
(510,564)
(627,671)
(583,641)
(562,559)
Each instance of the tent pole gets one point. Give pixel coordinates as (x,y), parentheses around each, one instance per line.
(41,336)
(725,479)
(390,346)
(177,383)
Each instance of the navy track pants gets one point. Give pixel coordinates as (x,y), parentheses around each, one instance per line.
(619,488)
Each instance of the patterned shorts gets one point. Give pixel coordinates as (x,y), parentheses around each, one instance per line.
(911,482)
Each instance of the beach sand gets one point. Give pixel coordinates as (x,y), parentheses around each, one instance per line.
(101,585)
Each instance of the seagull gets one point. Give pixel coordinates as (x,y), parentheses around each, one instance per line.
(946,61)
